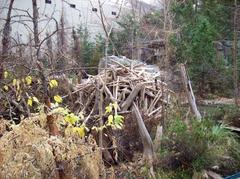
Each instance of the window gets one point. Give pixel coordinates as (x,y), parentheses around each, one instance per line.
(114,13)
(94,9)
(48,1)
(72,5)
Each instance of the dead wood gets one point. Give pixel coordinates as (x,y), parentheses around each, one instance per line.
(6,31)
(189,92)
(131,97)
(136,91)
(158,137)
(146,139)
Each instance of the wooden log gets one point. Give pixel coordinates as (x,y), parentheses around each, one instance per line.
(148,151)
(131,97)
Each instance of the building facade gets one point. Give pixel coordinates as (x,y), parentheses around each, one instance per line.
(75,13)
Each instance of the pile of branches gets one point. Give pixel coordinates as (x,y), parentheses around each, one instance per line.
(126,86)
(139,93)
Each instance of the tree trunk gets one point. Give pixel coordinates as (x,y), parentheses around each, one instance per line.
(7,31)
(6,38)
(76,47)
(35,22)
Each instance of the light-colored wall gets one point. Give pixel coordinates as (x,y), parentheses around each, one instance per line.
(74,17)
(81,15)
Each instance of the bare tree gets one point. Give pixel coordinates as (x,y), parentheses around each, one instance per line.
(168,30)
(7,30)
(61,39)
(35,22)
(6,36)
(76,46)
(50,49)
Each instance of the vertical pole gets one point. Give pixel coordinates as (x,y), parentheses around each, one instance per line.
(235,68)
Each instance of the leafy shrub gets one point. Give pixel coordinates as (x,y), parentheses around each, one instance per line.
(201,145)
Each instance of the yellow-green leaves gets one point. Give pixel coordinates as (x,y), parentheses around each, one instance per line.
(115,121)
(16,83)
(60,110)
(5,75)
(71,118)
(58,99)
(118,121)
(80,130)
(110,120)
(28,80)
(110,107)
(30,101)
(53,83)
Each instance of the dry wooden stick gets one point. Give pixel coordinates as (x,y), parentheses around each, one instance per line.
(189,92)
(154,111)
(107,90)
(155,100)
(131,97)
(87,118)
(89,101)
(128,69)
(146,139)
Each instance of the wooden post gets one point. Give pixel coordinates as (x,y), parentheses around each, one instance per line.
(235,69)
(189,92)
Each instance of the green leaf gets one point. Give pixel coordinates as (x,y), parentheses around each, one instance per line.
(80,130)
(118,121)
(71,118)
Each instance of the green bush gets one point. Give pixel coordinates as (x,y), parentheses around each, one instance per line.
(200,145)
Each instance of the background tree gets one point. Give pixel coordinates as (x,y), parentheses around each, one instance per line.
(200,26)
